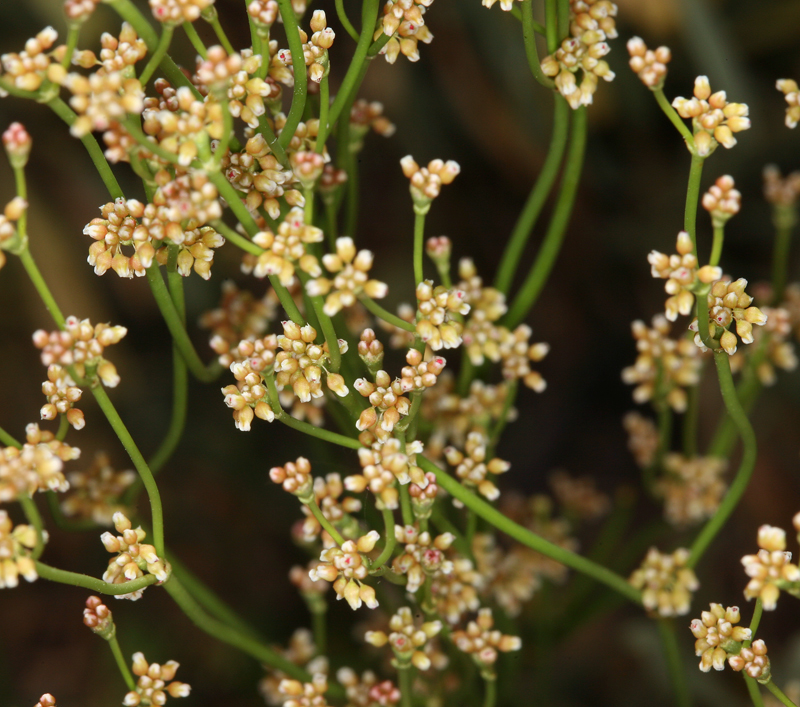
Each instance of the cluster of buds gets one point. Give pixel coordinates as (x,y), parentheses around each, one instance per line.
(578,496)
(728,302)
(307,167)
(790,91)
(422,555)
(717,636)
(649,65)
(248,94)
(101,99)
(295,477)
(642,438)
(383,463)
(666,582)
(517,353)
(46,700)
(350,272)
(680,270)
(175,12)
(426,182)
(714,120)
(365,115)
(487,304)
(97,616)
(778,351)
(93,493)
(81,345)
(692,488)
(315,50)
(370,350)
(61,393)
(457,593)
(423,497)
(722,200)
(9,237)
(781,191)
(482,641)
(309,694)
(327,492)
(754,661)
(151,686)
(419,374)
(38,465)
(406,639)
(285,249)
(437,309)
(116,54)
(366,690)
(771,569)
(248,397)
(29,69)
(16,545)
(17,144)
(664,367)
(345,567)
(591,23)
(133,557)
(388,404)
(301,362)
(471,465)
(264,13)
(403,22)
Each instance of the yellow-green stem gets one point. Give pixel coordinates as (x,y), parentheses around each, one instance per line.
(674,118)
(419,245)
(75,579)
(384,314)
(324,522)
(35,519)
(345,20)
(300,75)
(113,644)
(675,668)
(529,29)
(221,36)
(716,246)
(167,30)
(692,197)
(194,38)
(782,698)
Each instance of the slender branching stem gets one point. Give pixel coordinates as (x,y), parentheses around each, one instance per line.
(384,314)
(313,506)
(167,30)
(782,698)
(675,668)
(389,540)
(8,440)
(529,29)
(96,585)
(345,20)
(194,38)
(116,651)
(716,246)
(692,197)
(419,245)
(300,74)
(490,691)
(35,519)
(674,118)
(221,36)
(405,683)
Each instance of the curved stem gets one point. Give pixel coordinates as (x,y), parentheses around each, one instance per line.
(325,323)
(345,20)
(269,135)
(692,197)
(177,330)
(782,698)
(63,111)
(716,246)
(96,585)
(313,506)
(533,206)
(755,693)
(41,287)
(227,132)
(526,537)
(669,642)
(113,644)
(73,33)
(324,110)
(234,201)
(673,116)
(529,29)
(746,466)
(405,505)
(145,474)
(221,36)
(167,30)
(195,40)
(389,540)
(690,418)
(419,246)
(780,254)
(299,69)
(384,314)
(35,519)
(755,621)
(550,25)
(554,237)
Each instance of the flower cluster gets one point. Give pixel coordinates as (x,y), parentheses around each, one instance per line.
(383,464)
(82,346)
(422,555)
(37,466)
(62,394)
(366,690)
(666,582)
(482,641)
(722,200)
(345,567)
(692,487)
(46,700)
(315,49)
(295,477)
(102,99)
(406,639)
(151,686)
(16,545)
(642,438)
(591,23)
(680,271)
(248,397)
(97,616)
(350,272)
(438,312)
(327,492)
(790,91)
(648,64)
(771,569)
(420,374)
(29,68)
(403,22)
(717,636)
(9,238)
(94,493)
(309,694)
(471,465)
(778,352)
(779,190)
(664,367)
(426,182)
(133,557)
(387,404)
(116,54)
(714,120)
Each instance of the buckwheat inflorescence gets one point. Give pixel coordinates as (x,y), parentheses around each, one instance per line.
(151,686)
(16,546)
(771,569)
(133,557)
(666,582)
(406,639)
(650,65)
(717,636)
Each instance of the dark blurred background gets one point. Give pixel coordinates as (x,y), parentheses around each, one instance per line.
(470,98)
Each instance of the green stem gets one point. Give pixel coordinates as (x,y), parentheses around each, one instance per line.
(324,522)
(41,287)
(63,428)
(550,25)
(692,197)
(405,505)
(325,323)
(512,388)
(405,683)
(384,314)
(389,539)
(419,245)
(73,33)
(443,525)
(554,237)
(299,69)
(716,246)
(180,399)
(289,421)
(755,693)
(167,30)
(669,642)
(755,621)
(77,525)
(194,38)
(562,12)
(324,110)
(780,259)
(526,537)
(345,20)
(319,624)
(517,14)
(512,255)
(529,28)
(674,118)
(227,133)
(139,462)
(746,466)
(690,422)
(269,135)
(235,203)
(221,36)
(113,644)
(490,693)
(8,440)
(63,111)
(35,519)
(775,690)
(96,585)
(177,330)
